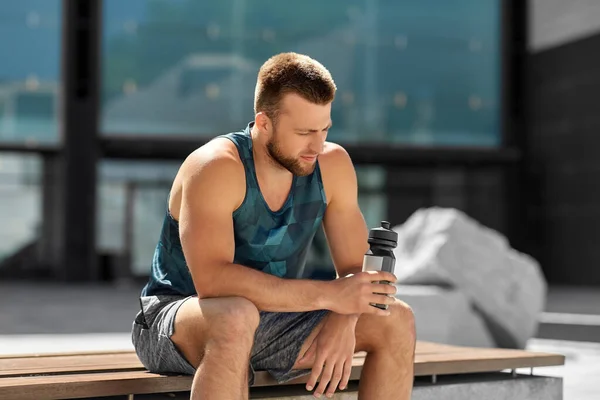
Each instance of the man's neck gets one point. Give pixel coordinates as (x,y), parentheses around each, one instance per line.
(263,160)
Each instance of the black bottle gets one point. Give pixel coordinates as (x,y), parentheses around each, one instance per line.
(380,256)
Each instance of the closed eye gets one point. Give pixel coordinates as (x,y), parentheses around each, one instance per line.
(305,132)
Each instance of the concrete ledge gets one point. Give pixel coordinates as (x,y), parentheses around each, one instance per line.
(499,386)
(577,327)
(496,386)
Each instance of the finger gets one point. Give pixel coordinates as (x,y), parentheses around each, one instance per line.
(315,373)
(384,288)
(346,374)
(338,372)
(325,378)
(381,299)
(374,310)
(386,276)
(378,276)
(310,353)
(370,275)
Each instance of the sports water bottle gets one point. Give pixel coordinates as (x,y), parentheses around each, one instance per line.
(380,256)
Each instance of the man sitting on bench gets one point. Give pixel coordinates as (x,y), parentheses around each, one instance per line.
(230,292)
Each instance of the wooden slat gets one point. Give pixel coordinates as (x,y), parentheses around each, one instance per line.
(65,353)
(90,385)
(70,363)
(482,360)
(69,375)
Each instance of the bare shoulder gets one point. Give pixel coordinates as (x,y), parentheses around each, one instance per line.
(337,170)
(218,157)
(334,152)
(334,158)
(214,168)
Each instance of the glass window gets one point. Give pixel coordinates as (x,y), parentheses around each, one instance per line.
(29,73)
(414,72)
(132,192)
(21,194)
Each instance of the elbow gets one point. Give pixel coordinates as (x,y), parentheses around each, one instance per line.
(206,290)
(208,286)
(212,281)
(204,294)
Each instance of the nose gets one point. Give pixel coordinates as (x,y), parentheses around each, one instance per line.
(317,144)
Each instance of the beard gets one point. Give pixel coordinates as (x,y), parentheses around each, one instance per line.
(291,164)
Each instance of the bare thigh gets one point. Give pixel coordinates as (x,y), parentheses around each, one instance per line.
(199,320)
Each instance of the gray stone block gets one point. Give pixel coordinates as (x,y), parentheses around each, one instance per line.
(468,387)
(445,315)
(520,388)
(445,247)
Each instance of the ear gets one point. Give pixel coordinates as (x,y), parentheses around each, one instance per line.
(262,122)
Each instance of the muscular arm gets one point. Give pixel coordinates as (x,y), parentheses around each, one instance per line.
(344,225)
(211,190)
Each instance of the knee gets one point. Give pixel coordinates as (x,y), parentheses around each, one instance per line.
(399,327)
(401,323)
(235,323)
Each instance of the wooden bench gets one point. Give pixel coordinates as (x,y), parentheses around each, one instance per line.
(119,373)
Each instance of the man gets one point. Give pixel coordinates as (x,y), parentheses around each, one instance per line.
(229,292)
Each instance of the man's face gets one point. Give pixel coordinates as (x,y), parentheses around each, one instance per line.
(297,140)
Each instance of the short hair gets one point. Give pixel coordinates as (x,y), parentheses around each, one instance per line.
(291,73)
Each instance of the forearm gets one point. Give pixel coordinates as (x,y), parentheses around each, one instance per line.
(266,291)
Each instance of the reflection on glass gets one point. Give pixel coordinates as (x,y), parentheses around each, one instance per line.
(29,71)
(21,194)
(372,198)
(423,72)
(144,184)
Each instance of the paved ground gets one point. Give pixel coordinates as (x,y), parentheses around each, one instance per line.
(53,318)
(582,367)
(50,308)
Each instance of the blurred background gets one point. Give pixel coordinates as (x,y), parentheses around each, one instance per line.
(95,118)
(486,106)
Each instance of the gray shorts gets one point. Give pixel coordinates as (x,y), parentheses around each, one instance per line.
(277,341)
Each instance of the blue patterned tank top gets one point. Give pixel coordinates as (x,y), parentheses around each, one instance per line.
(274,242)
